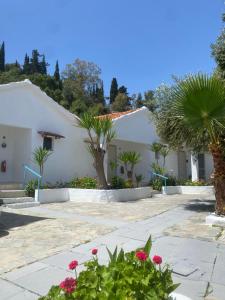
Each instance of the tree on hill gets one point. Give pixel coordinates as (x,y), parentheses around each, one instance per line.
(26,65)
(56,73)
(113,90)
(121,103)
(123,90)
(218,52)
(2,57)
(35,65)
(139,101)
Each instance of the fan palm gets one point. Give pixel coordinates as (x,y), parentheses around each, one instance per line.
(199,104)
(100,133)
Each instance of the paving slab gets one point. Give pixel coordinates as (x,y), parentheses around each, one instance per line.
(216,292)
(63,259)
(191,288)
(13,275)
(40,281)
(7,290)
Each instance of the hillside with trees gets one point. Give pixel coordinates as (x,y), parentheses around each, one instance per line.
(79,87)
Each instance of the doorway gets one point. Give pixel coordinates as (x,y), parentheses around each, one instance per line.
(201,166)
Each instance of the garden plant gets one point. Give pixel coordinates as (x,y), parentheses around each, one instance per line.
(128,276)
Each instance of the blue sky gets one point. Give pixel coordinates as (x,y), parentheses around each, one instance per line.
(142,43)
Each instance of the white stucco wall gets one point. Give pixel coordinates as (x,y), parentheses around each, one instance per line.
(25,106)
(136,127)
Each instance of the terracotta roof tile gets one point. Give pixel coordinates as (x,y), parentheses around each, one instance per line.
(116,115)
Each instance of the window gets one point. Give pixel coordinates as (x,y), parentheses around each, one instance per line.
(47,143)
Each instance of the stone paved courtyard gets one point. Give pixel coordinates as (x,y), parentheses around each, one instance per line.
(36,244)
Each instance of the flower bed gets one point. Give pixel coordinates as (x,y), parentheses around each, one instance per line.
(133,275)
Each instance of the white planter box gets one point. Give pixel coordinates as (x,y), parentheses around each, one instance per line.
(52,195)
(121,195)
(92,195)
(183,189)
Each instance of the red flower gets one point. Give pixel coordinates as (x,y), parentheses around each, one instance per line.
(73,264)
(157,259)
(68,285)
(141,255)
(94,251)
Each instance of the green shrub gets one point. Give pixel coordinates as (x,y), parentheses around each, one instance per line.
(189,182)
(83,183)
(117,182)
(171,181)
(30,188)
(133,276)
(139,178)
(156,183)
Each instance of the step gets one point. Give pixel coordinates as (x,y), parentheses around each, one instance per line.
(12,193)
(23,205)
(16,200)
(11,186)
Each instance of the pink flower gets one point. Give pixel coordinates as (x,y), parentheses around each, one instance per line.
(141,255)
(73,264)
(157,259)
(68,285)
(94,251)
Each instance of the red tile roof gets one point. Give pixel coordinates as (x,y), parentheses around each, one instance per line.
(116,115)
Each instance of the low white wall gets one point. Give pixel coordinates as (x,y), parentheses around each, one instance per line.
(182,189)
(52,195)
(92,195)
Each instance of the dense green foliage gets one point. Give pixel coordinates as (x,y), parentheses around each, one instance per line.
(117,183)
(130,275)
(83,183)
(218,52)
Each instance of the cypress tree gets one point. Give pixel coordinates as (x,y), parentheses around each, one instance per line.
(43,66)
(35,65)
(2,57)
(56,73)
(113,90)
(26,65)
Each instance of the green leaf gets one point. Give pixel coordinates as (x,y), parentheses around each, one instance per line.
(148,245)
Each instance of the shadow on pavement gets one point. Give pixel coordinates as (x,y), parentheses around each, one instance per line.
(201,205)
(10,220)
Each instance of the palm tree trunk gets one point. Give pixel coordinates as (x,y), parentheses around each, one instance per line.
(99,166)
(219,177)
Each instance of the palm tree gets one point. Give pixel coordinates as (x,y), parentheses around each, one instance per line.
(100,134)
(40,156)
(156,147)
(198,108)
(129,159)
(164,151)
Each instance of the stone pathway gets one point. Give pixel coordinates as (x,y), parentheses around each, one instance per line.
(195,251)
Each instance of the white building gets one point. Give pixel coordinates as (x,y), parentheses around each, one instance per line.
(30,119)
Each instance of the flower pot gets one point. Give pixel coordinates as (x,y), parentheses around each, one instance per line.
(176,296)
